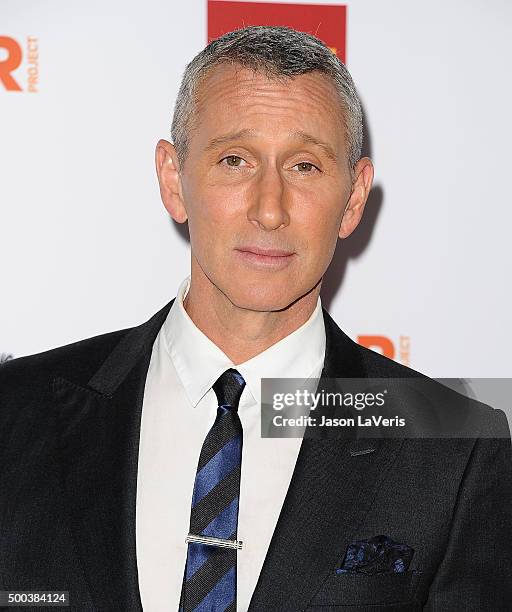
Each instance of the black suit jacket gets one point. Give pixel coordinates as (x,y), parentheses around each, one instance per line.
(69,435)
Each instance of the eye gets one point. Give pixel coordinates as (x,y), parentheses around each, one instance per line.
(306,167)
(233,161)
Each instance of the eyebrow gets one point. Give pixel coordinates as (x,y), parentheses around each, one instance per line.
(304,137)
(309,139)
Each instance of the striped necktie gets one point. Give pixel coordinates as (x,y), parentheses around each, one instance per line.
(209,582)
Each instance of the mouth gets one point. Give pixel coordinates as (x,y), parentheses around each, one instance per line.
(275,259)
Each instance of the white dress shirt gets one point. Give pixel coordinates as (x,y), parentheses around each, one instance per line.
(179,408)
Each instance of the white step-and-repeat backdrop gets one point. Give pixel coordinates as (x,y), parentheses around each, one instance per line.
(87,88)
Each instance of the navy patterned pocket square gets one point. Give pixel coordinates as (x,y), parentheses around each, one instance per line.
(378,555)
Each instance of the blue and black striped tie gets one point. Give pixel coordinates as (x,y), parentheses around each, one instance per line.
(209,583)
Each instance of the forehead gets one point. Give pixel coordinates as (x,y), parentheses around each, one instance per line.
(231,97)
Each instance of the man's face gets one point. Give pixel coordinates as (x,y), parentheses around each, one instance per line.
(266,171)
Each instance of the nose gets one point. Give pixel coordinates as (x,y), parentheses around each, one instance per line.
(268,207)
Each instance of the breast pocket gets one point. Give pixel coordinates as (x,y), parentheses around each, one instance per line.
(391,591)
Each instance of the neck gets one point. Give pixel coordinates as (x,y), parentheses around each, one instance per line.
(242,333)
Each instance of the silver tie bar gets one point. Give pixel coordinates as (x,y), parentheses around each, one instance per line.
(199,539)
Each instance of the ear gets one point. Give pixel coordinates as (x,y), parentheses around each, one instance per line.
(167,169)
(361,185)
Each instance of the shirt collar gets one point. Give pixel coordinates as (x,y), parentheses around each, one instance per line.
(199,362)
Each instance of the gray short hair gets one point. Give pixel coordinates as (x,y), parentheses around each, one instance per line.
(278,52)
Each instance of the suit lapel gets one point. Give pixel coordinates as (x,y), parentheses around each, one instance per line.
(330,492)
(99,429)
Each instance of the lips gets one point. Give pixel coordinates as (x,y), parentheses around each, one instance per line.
(265,252)
(264,259)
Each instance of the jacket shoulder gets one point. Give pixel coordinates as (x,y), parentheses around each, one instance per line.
(379,366)
(441,395)
(78,360)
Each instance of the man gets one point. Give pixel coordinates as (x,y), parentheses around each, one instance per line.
(117,448)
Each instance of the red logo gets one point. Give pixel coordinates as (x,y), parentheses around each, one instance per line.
(11,57)
(327,22)
(10,63)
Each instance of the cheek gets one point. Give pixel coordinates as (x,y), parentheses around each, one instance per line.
(212,226)
(213,204)
(203,208)
(320,231)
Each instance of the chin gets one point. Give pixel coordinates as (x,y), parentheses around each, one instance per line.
(262,296)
